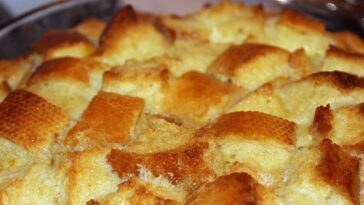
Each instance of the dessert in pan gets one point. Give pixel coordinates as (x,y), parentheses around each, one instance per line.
(229,105)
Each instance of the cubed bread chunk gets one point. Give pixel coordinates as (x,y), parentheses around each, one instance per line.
(291,30)
(136,191)
(63,43)
(41,184)
(251,65)
(110,118)
(128,36)
(326,175)
(68,82)
(322,88)
(148,83)
(257,143)
(31,122)
(89,176)
(199,98)
(220,23)
(232,189)
(341,60)
(91,28)
(181,166)
(348,41)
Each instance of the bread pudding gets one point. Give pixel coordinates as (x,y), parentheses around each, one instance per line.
(230,105)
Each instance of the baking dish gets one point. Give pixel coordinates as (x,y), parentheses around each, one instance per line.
(17,34)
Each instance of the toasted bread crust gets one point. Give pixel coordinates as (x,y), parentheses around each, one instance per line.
(55,44)
(193,94)
(344,81)
(126,17)
(236,188)
(254,125)
(339,170)
(98,123)
(298,21)
(180,165)
(322,122)
(231,60)
(62,68)
(30,121)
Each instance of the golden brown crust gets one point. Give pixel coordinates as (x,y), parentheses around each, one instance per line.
(341,53)
(349,41)
(344,60)
(233,189)
(340,170)
(110,118)
(254,125)
(221,23)
(344,81)
(118,24)
(243,63)
(91,28)
(182,165)
(126,74)
(62,43)
(13,71)
(300,22)
(299,61)
(30,121)
(92,202)
(322,122)
(233,59)
(130,36)
(68,82)
(72,69)
(335,52)
(194,94)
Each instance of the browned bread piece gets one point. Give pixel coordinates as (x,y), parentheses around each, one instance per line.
(12,72)
(97,126)
(343,60)
(197,97)
(342,125)
(300,63)
(145,81)
(326,175)
(251,65)
(91,28)
(254,142)
(89,176)
(191,55)
(129,36)
(297,101)
(348,41)
(31,122)
(235,188)
(68,82)
(220,23)
(183,166)
(157,133)
(322,88)
(63,43)
(291,30)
